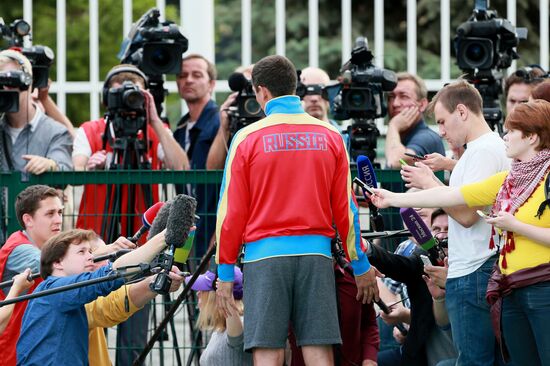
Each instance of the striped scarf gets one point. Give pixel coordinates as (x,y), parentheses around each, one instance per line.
(520,183)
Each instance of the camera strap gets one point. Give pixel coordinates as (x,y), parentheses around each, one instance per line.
(5,150)
(546,202)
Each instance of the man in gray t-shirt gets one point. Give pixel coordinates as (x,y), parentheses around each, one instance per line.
(30,141)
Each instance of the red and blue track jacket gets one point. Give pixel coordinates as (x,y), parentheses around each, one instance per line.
(286,180)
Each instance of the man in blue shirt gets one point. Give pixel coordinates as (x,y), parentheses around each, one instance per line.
(407,132)
(195,133)
(55,327)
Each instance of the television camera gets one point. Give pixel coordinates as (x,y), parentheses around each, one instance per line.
(246,109)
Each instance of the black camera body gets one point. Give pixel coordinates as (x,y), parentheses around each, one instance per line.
(360,96)
(126,110)
(41,57)
(484,45)
(360,93)
(246,109)
(9,99)
(487,42)
(154,47)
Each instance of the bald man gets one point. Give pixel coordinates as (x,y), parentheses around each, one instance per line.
(314,104)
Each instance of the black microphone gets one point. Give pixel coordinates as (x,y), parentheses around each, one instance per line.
(112,256)
(237,81)
(385,234)
(365,172)
(340,257)
(147,220)
(159,223)
(180,220)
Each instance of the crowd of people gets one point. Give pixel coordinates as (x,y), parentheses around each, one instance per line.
(285,205)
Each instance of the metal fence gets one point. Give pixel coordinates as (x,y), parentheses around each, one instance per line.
(182,342)
(201,29)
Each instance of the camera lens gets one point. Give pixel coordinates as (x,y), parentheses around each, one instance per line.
(252,107)
(134,99)
(161,58)
(356,99)
(475,53)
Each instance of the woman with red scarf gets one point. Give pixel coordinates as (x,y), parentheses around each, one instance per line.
(519,289)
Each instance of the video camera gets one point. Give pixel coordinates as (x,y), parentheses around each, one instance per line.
(156,48)
(485,44)
(126,110)
(360,96)
(246,109)
(9,99)
(41,57)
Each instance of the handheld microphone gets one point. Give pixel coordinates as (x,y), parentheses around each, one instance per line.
(147,220)
(365,172)
(419,230)
(179,222)
(112,256)
(159,223)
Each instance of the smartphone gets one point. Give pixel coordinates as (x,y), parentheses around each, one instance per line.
(485,215)
(425,260)
(363,185)
(403,162)
(415,156)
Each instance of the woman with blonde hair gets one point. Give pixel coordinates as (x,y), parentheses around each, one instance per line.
(226,345)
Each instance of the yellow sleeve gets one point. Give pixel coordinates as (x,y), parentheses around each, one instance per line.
(108,311)
(483,193)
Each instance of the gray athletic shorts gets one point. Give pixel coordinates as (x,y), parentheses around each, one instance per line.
(282,290)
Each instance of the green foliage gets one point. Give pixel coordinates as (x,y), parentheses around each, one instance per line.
(228,35)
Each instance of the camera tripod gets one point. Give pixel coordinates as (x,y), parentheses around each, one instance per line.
(122,204)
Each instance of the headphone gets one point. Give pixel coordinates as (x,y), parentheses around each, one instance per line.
(526,73)
(18,58)
(120,70)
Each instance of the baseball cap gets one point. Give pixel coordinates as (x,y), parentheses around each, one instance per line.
(207,282)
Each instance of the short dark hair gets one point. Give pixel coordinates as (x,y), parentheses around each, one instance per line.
(529,75)
(458,92)
(277,74)
(542,91)
(438,212)
(210,68)
(56,247)
(28,200)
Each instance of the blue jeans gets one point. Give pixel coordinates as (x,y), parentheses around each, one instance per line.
(468,310)
(526,324)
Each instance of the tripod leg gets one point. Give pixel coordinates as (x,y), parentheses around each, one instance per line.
(167,302)
(196,334)
(174,307)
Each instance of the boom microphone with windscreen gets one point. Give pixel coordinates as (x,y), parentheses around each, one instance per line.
(237,81)
(180,220)
(147,220)
(159,223)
